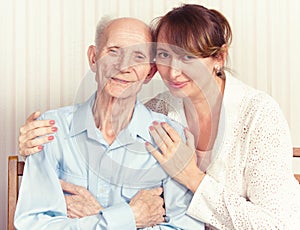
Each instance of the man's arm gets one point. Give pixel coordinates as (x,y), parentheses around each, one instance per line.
(147,205)
(41,203)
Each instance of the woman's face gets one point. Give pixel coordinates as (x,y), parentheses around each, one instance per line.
(184,74)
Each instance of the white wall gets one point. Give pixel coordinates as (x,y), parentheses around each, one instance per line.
(43,47)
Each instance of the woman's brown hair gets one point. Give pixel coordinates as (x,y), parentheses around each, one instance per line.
(194,28)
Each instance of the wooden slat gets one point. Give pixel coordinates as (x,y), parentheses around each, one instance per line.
(297,176)
(20,168)
(296,152)
(12,190)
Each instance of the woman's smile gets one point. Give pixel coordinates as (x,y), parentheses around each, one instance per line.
(177,84)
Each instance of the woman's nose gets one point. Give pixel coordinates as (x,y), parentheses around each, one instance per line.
(174,69)
(174,73)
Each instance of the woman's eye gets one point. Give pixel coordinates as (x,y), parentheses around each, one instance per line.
(163,55)
(188,57)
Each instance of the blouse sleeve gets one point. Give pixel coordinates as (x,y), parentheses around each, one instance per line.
(272,199)
(158,105)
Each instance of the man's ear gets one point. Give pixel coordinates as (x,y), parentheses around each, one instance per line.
(151,73)
(92,58)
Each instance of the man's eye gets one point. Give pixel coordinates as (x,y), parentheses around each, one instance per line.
(140,57)
(163,55)
(113,52)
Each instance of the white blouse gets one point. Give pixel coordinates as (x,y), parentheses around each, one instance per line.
(249,183)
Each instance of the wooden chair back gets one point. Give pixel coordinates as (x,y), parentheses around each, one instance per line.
(296,153)
(15,169)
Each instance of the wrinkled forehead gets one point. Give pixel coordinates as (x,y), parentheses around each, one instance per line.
(126,38)
(129,33)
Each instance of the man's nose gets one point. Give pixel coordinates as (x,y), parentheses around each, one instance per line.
(124,63)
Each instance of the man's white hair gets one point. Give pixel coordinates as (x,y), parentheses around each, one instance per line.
(100,29)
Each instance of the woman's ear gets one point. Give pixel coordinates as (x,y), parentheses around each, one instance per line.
(92,58)
(222,56)
(151,73)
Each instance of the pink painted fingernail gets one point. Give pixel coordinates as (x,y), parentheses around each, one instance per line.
(163,123)
(51,122)
(147,143)
(50,138)
(54,129)
(155,123)
(151,128)
(40,147)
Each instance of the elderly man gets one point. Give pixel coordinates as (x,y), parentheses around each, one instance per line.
(101,146)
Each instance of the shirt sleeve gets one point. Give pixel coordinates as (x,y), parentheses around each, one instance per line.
(272,194)
(41,203)
(177,199)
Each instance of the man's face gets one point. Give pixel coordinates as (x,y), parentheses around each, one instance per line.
(123,58)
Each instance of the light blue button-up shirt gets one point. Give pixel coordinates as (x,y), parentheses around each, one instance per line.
(112,173)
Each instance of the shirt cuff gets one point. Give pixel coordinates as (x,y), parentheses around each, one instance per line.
(119,216)
(205,199)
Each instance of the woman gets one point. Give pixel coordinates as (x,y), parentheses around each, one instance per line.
(241,174)
(246,180)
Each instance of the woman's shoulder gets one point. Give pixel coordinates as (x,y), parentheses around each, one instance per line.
(169,105)
(243,103)
(159,103)
(258,99)
(238,91)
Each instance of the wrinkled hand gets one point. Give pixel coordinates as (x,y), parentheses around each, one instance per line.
(81,202)
(28,143)
(147,207)
(177,158)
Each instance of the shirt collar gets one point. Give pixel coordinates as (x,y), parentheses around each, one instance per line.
(83,120)
(83,117)
(140,122)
